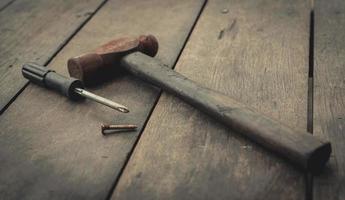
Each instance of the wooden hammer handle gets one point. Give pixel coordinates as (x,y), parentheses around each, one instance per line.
(299,147)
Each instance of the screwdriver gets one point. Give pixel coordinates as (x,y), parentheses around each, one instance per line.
(70,87)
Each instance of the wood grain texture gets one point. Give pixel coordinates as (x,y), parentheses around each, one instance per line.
(5,3)
(33,31)
(52,148)
(329,94)
(257,53)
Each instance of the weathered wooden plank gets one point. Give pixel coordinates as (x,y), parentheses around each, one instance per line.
(256,52)
(329,94)
(52,148)
(35,31)
(5,3)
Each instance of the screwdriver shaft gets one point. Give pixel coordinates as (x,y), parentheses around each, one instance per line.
(101,100)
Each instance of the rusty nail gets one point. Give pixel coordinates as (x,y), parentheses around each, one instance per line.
(116,128)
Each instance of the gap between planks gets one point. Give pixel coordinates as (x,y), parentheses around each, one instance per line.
(5,5)
(309,177)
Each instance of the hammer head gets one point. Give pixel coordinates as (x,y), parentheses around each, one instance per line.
(102,64)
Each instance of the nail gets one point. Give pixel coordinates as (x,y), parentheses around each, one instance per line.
(109,128)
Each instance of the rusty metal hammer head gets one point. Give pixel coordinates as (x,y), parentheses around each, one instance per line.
(102,64)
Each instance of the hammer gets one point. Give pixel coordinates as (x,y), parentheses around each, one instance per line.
(134,55)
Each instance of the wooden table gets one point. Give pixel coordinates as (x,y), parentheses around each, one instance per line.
(284,58)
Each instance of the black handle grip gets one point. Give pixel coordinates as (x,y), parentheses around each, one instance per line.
(35,73)
(50,79)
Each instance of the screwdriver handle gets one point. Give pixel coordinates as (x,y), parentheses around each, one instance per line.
(50,79)
(70,87)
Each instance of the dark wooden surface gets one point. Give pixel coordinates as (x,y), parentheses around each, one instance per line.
(5,3)
(329,94)
(35,31)
(257,53)
(52,148)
